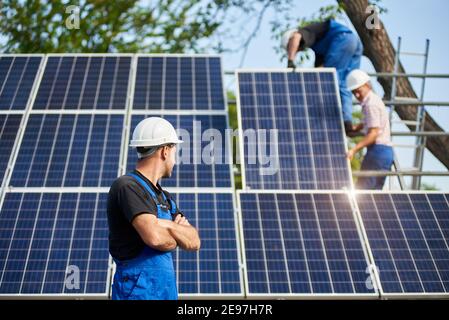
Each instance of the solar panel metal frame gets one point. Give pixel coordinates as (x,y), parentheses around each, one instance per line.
(61,296)
(36,82)
(99,55)
(127,112)
(26,114)
(384,295)
(336,296)
(239,118)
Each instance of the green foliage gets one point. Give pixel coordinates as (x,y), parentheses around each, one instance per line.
(167,26)
(428,187)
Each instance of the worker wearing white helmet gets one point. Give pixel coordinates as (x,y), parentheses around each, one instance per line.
(376,128)
(335,46)
(145,224)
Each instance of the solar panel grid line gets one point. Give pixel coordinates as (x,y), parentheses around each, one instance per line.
(323,246)
(57,150)
(309,134)
(283,248)
(217,246)
(340,238)
(360,294)
(426,242)
(24,119)
(20,81)
(30,246)
(270,90)
(404,237)
(420,238)
(74,82)
(26,87)
(53,286)
(327,143)
(372,270)
(211,272)
(290,117)
(437,222)
(51,245)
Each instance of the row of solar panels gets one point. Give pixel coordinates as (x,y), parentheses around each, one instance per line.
(65,125)
(102,82)
(287,243)
(295,244)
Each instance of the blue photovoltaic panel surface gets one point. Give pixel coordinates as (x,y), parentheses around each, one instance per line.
(408,234)
(194,171)
(84,82)
(17,76)
(304,109)
(302,243)
(42,234)
(9,126)
(69,151)
(214,269)
(180,83)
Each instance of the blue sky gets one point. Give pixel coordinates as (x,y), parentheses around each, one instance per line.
(413,20)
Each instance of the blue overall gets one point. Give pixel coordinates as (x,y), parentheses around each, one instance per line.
(378,157)
(342,50)
(151,275)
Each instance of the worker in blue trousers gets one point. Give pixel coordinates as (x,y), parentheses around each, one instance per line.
(335,45)
(145,224)
(376,127)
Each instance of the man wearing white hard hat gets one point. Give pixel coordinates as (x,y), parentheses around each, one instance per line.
(376,127)
(335,46)
(145,224)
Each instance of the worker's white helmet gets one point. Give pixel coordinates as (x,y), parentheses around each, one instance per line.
(152,132)
(286,37)
(356,79)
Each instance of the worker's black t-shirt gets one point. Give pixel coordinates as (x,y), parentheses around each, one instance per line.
(127,199)
(311,34)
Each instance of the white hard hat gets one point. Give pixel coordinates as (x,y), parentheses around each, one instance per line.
(356,79)
(286,37)
(154,131)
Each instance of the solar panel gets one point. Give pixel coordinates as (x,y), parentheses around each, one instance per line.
(215,268)
(303,244)
(408,234)
(304,108)
(193,171)
(17,74)
(9,126)
(179,83)
(84,82)
(69,151)
(54,243)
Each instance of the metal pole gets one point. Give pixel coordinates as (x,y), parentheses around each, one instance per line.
(373,173)
(420,118)
(392,98)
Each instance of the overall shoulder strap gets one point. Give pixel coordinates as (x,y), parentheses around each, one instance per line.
(144,185)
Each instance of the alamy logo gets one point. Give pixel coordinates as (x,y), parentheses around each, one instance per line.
(372,21)
(73,20)
(72,277)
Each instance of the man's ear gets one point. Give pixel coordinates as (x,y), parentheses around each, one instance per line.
(164,152)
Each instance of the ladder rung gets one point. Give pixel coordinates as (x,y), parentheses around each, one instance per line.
(407,122)
(409,53)
(421,134)
(406,98)
(412,146)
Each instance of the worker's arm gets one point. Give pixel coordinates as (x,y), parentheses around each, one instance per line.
(357,127)
(369,139)
(293,46)
(185,234)
(153,233)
